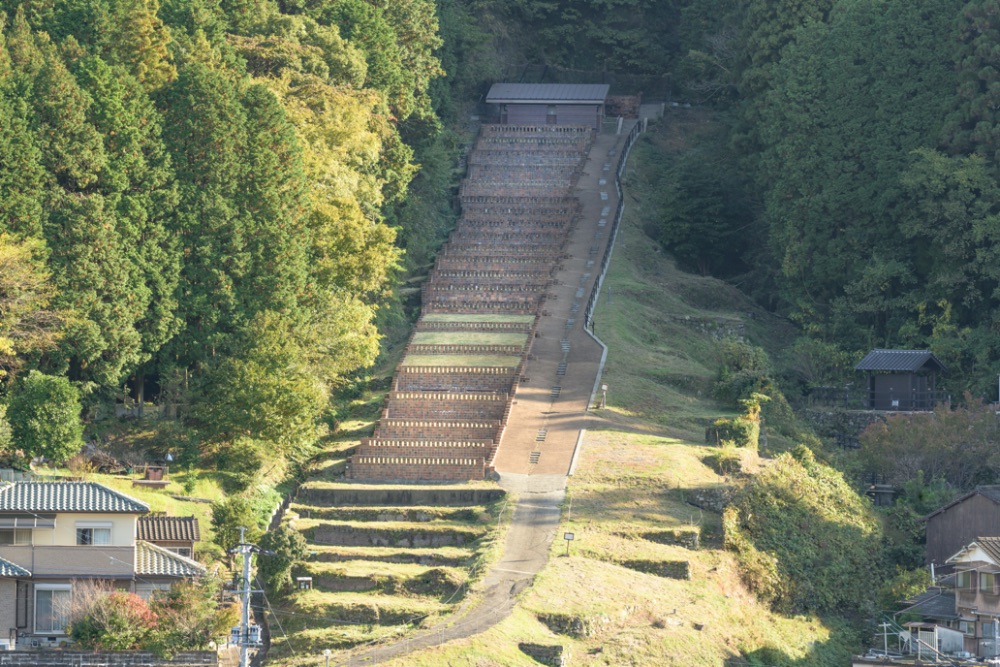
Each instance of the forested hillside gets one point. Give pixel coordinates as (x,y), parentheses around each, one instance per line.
(204,198)
(856,182)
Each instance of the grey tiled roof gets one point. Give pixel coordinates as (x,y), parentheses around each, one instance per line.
(168,529)
(67,497)
(936,603)
(154,561)
(592,93)
(900,360)
(8,569)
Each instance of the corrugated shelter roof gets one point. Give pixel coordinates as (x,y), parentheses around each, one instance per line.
(935,602)
(154,561)
(168,529)
(988,491)
(900,360)
(67,497)
(571,93)
(10,570)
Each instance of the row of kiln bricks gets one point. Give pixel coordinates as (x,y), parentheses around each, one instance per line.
(403,446)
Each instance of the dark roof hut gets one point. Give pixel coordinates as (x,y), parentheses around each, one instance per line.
(550,103)
(902,380)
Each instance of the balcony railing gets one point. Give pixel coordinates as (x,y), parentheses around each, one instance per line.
(73,561)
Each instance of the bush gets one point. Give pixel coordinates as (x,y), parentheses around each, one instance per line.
(740,431)
(745,371)
(288,547)
(110,621)
(190,617)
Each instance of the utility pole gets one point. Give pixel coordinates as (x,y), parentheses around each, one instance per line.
(249,635)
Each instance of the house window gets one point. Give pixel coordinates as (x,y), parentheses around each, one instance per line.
(181,551)
(963,580)
(987,582)
(52,608)
(92,533)
(15,536)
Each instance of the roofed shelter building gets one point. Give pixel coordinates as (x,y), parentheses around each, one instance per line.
(904,380)
(550,103)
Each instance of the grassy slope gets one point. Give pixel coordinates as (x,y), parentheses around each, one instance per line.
(642,460)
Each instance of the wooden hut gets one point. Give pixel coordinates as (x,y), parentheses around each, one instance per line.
(550,103)
(904,380)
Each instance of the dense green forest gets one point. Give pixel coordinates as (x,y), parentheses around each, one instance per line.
(209,199)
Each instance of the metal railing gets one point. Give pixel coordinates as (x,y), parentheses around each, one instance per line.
(616,223)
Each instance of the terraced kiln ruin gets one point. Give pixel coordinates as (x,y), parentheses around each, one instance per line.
(451,396)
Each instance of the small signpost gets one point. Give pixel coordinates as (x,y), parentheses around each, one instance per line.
(569,537)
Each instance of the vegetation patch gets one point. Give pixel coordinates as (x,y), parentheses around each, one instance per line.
(439,557)
(468,338)
(785,525)
(398,514)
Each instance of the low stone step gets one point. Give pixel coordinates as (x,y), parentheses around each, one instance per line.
(389,534)
(416,514)
(334,494)
(442,557)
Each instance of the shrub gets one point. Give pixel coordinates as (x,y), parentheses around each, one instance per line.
(110,621)
(745,371)
(288,546)
(740,431)
(190,617)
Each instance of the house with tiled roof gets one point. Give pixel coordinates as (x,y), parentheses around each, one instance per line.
(55,534)
(174,533)
(977,594)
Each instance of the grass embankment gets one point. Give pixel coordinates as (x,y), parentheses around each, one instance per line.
(468,338)
(643,479)
(463,360)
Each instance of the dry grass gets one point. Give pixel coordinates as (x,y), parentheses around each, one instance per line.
(468,338)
